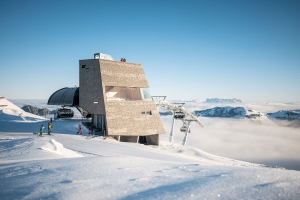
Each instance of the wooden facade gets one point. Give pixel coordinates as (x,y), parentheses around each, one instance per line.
(109,90)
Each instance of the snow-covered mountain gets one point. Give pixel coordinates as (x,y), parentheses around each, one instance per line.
(229,112)
(285,114)
(218,100)
(37,111)
(244,112)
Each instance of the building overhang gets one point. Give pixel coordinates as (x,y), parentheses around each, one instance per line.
(65,97)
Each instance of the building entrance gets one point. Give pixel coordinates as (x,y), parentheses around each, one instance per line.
(100,122)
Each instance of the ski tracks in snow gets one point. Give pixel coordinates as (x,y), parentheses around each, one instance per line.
(12,147)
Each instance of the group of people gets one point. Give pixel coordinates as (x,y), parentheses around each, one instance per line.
(123,60)
(79,130)
(49,128)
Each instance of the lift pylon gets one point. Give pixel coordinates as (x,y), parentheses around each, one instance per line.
(179,112)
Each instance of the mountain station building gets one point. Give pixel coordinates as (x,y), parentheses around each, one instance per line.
(116,96)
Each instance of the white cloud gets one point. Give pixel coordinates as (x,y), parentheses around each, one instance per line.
(241,139)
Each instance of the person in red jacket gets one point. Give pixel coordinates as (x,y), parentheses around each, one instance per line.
(79,129)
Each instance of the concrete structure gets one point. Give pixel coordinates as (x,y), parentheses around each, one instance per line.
(117,95)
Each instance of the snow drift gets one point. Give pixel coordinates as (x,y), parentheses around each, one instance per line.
(56,147)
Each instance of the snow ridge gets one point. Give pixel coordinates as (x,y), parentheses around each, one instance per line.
(11,112)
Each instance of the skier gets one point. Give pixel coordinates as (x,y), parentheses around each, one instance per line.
(41,130)
(79,129)
(49,128)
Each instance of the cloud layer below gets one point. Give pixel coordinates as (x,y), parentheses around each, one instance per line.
(245,140)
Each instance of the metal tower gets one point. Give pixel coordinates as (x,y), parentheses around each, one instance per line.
(179,112)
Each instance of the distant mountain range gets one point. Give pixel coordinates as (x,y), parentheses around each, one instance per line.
(224,112)
(229,112)
(37,111)
(285,114)
(218,100)
(243,112)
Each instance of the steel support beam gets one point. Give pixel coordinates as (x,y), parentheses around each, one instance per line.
(172,130)
(186,134)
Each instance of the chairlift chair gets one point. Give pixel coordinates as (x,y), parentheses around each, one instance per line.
(183,128)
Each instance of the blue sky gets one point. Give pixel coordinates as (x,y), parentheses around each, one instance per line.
(189,49)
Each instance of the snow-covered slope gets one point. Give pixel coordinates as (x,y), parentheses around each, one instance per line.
(10,112)
(199,155)
(80,168)
(14,118)
(69,166)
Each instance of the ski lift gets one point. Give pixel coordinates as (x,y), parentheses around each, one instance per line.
(64,113)
(183,129)
(179,115)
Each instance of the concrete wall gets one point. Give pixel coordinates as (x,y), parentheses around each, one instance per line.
(123,74)
(90,87)
(133,139)
(152,139)
(126,118)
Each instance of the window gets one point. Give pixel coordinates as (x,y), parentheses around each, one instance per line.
(122,93)
(146,113)
(146,94)
(117,93)
(97,56)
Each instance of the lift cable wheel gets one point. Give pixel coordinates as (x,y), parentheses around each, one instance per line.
(179,112)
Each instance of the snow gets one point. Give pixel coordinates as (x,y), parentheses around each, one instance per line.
(11,112)
(235,112)
(58,148)
(69,166)
(114,170)
(285,114)
(218,100)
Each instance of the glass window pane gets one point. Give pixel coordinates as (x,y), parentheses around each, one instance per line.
(122,93)
(146,93)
